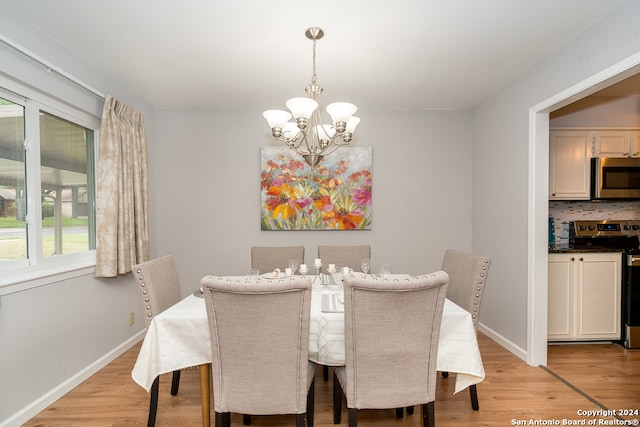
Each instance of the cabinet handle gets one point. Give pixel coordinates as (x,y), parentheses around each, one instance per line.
(626,154)
(581,259)
(572,259)
(635,154)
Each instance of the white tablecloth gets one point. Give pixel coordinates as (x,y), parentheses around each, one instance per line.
(179,338)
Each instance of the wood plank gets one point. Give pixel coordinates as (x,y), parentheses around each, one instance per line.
(512,392)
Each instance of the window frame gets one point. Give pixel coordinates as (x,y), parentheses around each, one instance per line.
(36,269)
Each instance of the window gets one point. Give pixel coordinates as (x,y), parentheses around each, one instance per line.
(13,211)
(47,163)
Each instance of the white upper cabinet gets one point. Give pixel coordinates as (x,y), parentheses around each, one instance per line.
(617,143)
(634,142)
(569,164)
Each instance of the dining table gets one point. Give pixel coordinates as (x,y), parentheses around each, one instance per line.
(178,338)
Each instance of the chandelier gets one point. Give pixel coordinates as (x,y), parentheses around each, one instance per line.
(308,136)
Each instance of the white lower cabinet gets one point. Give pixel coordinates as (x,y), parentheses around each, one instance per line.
(584,296)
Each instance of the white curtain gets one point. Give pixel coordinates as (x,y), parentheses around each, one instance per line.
(122,206)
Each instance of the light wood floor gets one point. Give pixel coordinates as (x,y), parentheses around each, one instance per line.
(577,378)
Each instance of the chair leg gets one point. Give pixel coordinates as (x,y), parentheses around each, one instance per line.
(325,372)
(223,419)
(153,402)
(353,417)
(399,412)
(300,420)
(410,410)
(428,414)
(311,403)
(175,383)
(246,420)
(445,374)
(474,397)
(337,400)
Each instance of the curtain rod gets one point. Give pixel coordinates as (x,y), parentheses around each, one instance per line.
(49,66)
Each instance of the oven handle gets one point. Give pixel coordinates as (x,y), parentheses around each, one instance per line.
(633,261)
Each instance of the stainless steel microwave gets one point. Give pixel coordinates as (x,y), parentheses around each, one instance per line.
(615,178)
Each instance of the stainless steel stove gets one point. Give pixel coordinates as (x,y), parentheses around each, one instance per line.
(608,233)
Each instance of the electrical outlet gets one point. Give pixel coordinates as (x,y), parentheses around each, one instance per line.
(132,318)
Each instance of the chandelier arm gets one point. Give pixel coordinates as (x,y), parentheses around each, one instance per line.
(305,139)
(335,145)
(293,146)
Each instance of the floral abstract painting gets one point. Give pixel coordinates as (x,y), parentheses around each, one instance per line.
(333,195)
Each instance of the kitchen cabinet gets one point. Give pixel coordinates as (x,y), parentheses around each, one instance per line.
(584,296)
(569,164)
(617,143)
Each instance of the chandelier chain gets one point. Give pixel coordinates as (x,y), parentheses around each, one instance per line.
(314,76)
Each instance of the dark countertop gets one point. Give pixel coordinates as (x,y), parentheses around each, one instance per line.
(564,249)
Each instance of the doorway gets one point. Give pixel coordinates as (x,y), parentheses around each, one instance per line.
(539,197)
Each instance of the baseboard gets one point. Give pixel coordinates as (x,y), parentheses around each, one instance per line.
(504,342)
(37,406)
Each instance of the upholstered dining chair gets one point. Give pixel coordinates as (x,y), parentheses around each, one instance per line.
(392,328)
(343,256)
(159,289)
(260,347)
(268,258)
(467,281)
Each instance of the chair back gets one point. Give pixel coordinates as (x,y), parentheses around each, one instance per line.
(343,256)
(158,285)
(268,258)
(260,343)
(392,330)
(467,280)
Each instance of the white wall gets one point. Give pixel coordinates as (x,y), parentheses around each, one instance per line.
(506,156)
(207,190)
(58,330)
(205,204)
(599,111)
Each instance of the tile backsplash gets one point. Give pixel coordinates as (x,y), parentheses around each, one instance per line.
(565,211)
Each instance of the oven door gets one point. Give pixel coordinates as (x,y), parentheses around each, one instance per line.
(615,178)
(631,302)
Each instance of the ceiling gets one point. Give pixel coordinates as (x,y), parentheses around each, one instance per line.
(627,87)
(408,54)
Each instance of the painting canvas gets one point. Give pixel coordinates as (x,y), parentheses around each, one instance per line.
(333,195)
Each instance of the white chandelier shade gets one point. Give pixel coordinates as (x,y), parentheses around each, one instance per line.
(301,108)
(277,118)
(307,135)
(341,112)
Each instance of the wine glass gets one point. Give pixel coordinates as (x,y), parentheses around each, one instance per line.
(365,264)
(337,277)
(293,265)
(317,264)
(385,270)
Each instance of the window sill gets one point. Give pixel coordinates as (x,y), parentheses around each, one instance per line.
(36,276)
